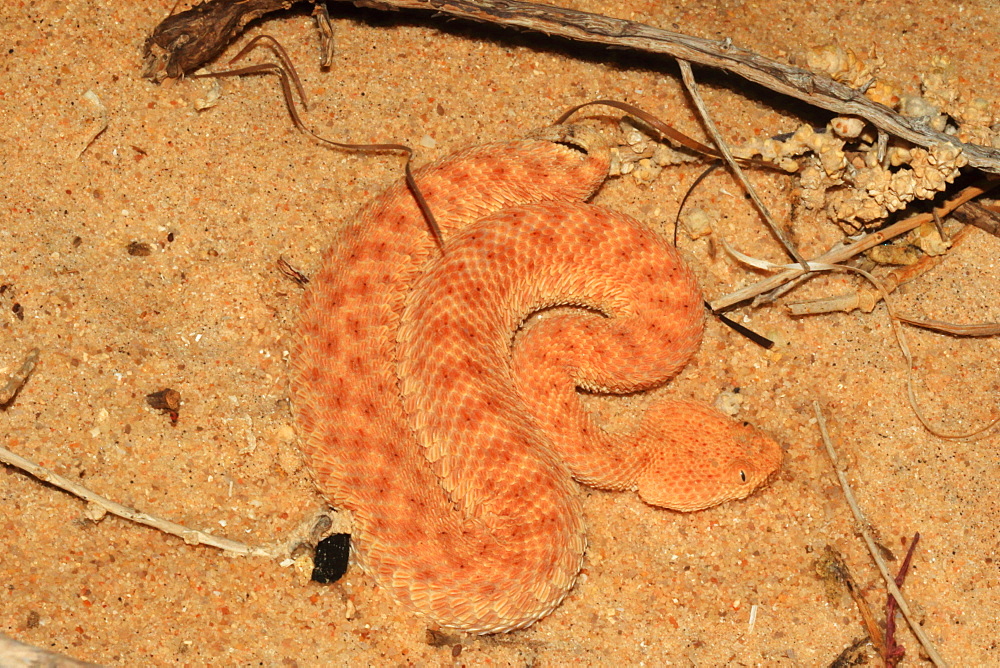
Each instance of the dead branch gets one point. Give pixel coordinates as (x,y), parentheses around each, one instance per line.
(862,525)
(14,654)
(98,506)
(17,379)
(841,253)
(186,41)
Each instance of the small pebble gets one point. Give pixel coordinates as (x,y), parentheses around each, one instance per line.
(332,555)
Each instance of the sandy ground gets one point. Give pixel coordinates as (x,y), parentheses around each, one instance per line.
(218,195)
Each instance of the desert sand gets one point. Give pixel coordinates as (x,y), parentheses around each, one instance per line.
(218,195)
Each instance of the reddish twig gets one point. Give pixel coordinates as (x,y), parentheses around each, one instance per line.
(894,652)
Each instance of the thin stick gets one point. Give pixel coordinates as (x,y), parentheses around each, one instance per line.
(839,254)
(859,516)
(692,88)
(185,41)
(17,379)
(287,76)
(957,329)
(865,298)
(14,653)
(666,131)
(102,505)
(893,652)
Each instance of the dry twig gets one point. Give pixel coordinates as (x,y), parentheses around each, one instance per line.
(859,516)
(17,379)
(288,77)
(892,653)
(184,42)
(98,506)
(974,329)
(692,88)
(866,298)
(839,254)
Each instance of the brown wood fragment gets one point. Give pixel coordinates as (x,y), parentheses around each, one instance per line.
(985,218)
(167,400)
(186,41)
(291,272)
(139,249)
(17,379)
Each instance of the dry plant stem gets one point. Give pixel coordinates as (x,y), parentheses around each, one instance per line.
(904,347)
(325,29)
(846,578)
(841,253)
(865,298)
(892,653)
(18,378)
(184,42)
(14,654)
(814,89)
(692,88)
(287,76)
(859,516)
(190,536)
(666,131)
(977,329)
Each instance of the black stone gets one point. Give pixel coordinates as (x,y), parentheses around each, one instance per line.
(330,562)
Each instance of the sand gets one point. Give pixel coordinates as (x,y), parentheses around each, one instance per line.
(218,195)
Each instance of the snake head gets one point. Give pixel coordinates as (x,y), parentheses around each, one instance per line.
(702,458)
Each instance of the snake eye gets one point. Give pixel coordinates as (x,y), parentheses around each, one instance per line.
(743,475)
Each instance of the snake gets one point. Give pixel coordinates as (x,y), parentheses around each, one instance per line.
(438,390)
